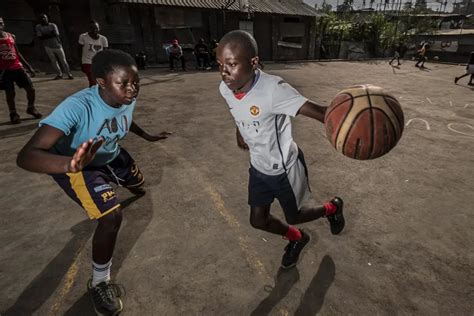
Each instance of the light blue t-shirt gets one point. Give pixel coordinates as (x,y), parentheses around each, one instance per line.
(84,115)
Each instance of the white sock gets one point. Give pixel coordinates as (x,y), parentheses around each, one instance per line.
(100,272)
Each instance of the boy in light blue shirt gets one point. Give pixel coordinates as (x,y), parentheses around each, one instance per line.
(77,144)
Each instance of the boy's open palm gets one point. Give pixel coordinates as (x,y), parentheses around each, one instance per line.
(160,136)
(84,154)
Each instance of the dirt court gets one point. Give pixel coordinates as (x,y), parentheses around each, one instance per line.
(187,248)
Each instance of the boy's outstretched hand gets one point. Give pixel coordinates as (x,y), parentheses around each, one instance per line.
(155,138)
(84,154)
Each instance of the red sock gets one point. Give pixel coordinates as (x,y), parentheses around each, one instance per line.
(329,208)
(293,233)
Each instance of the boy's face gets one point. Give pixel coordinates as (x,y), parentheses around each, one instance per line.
(120,86)
(94,28)
(43,19)
(236,67)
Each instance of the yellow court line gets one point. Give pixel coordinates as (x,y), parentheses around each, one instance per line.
(68,281)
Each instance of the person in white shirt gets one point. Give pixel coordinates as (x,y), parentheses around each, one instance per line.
(91,43)
(262,105)
(175,52)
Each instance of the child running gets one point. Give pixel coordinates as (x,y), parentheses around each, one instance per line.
(262,105)
(469,71)
(77,144)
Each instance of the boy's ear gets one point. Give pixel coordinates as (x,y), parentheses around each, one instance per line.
(254,62)
(100,82)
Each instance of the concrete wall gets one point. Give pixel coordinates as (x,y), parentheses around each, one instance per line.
(451,48)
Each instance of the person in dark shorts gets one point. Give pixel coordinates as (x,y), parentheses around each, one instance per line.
(262,106)
(469,71)
(422,55)
(77,144)
(13,69)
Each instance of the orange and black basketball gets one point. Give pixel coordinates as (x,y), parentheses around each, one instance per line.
(364,122)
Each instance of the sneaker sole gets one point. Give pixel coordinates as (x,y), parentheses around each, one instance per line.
(300,257)
(114,314)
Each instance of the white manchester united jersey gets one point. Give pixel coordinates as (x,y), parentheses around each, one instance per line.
(263,119)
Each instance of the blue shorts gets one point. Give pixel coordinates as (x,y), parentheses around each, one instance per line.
(91,189)
(290,188)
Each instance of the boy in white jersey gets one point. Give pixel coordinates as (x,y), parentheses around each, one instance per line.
(78,145)
(262,105)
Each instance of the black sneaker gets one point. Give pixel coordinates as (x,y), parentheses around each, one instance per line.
(138,191)
(106,298)
(15,118)
(336,220)
(34,112)
(293,250)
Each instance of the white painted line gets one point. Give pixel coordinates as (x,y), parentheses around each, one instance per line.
(453,129)
(419,119)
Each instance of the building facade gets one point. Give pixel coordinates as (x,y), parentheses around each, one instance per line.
(284,29)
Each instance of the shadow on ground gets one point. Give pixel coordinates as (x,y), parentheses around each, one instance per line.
(46,283)
(313,299)
(136,222)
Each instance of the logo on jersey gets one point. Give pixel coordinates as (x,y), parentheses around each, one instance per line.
(255,110)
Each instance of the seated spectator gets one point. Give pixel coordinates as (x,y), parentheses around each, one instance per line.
(175,52)
(140,59)
(212,52)
(201,51)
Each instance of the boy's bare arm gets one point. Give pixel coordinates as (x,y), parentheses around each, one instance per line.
(134,128)
(240,140)
(313,110)
(24,62)
(35,155)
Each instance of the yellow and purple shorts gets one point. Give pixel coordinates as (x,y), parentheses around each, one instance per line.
(91,188)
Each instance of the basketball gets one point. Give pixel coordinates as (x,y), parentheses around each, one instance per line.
(364,122)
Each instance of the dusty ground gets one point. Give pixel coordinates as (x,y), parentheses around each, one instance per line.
(186,248)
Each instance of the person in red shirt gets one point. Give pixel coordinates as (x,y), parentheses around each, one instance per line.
(13,69)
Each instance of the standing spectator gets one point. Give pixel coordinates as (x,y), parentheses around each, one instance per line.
(12,70)
(48,33)
(176,52)
(469,71)
(201,51)
(91,43)
(422,55)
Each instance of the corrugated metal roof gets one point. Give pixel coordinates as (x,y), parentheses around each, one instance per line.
(289,7)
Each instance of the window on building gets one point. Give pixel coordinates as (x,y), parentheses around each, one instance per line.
(246,26)
(291,19)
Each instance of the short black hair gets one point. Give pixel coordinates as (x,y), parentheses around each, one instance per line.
(243,39)
(105,61)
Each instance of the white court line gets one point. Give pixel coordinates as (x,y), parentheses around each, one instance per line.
(419,119)
(451,128)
